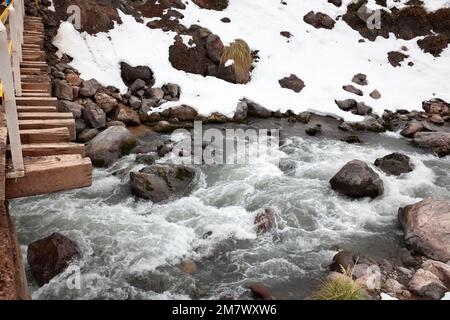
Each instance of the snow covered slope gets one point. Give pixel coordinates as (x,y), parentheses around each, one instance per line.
(324,59)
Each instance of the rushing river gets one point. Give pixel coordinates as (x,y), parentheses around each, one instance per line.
(132,249)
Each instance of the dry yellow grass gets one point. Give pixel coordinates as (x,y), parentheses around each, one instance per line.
(240,53)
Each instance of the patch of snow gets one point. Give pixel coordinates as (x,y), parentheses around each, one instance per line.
(229,63)
(186,41)
(52,6)
(385,296)
(324,59)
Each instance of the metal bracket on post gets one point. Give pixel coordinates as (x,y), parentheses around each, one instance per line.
(12,122)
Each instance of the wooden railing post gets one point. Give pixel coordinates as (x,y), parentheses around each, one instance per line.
(20,7)
(15,54)
(12,123)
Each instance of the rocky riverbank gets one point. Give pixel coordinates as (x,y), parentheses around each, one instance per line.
(107,120)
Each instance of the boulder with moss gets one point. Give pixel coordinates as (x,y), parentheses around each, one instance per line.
(160,182)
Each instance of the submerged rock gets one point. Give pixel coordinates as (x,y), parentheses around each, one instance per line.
(265,220)
(427,228)
(260,291)
(357,180)
(160,182)
(395,164)
(110,145)
(50,256)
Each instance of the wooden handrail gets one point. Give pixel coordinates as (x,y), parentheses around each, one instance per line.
(3,18)
(10,78)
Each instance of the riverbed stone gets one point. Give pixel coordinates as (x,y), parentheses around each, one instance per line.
(160,182)
(357,180)
(109,145)
(439,142)
(439,269)
(260,291)
(342,262)
(412,128)
(127,115)
(265,220)
(395,164)
(183,113)
(426,284)
(427,228)
(50,256)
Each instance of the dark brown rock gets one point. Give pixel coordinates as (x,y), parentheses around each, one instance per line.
(293,83)
(357,180)
(395,164)
(50,256)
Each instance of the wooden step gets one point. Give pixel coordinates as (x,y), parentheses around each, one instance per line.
(51,149)
(38,55)
(36,94)
(49,124)
(35,78)
(37,101)
(35,65)
(23,109)
(44,115)
(32,46)
(51,174)
(33,32)
(32,71)
(35,86)
(54,135)
(34,91)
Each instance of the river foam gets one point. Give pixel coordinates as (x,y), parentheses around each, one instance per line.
(131,248)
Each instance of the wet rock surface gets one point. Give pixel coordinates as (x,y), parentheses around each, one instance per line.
(50,256)
(161,182)
(357,180)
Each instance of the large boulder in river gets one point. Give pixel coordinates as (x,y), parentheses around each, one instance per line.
(160,182)
(50,256)
(395,164)
(357,180)
(109,145)
(427,228)
(439,142)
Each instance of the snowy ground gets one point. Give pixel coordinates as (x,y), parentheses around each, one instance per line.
(324,59)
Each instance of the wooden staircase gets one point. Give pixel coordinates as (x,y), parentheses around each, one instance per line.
(52,162)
